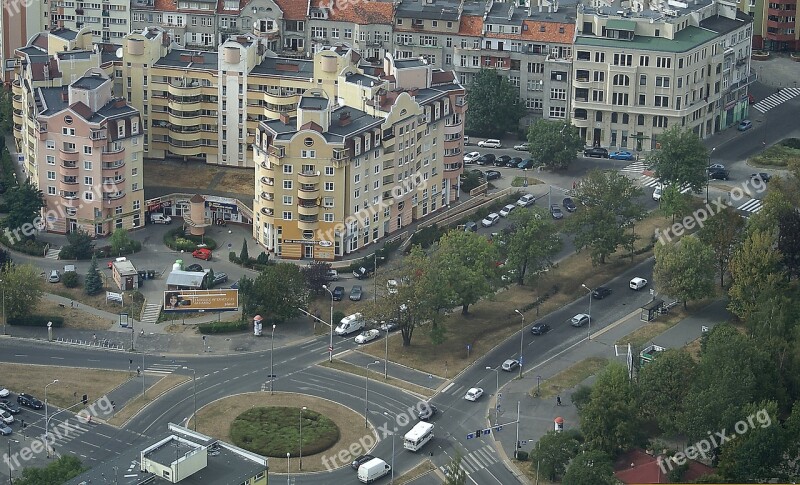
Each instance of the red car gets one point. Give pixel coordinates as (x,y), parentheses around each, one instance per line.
(202,253)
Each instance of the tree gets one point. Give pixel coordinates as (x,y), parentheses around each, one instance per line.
(24,204)
(468,264)
(552,143)
(723,233)
(121,241)
(244,256)
(79,245)
(681,160)
(5,259)
(208,281)
(248,296)
(662,388)
(277,293)
(789,241)
(673,203)
(453,473)
(609,420)
(531,244)
(94,282)
(610,207)
(755,271)
(685,270)
(316,275)
(552,453)
(62,470)
(494,105)
(6,118)
(759,452)
(23,289)
(469,181)
(590,468)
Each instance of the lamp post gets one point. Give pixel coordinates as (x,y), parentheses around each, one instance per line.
(521,337)
(386,359)
(4,309)
(709,163)
(10,469)
(330,346)
(194,382)
(496,393)
(366,392)
(301,436)
(271,361)
(393,435)
(288,472)
(46,418)
(589,325)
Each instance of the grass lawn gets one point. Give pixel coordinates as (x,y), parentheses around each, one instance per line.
(274,431)
(195,175)
(779,155)
(135,405)
(215,420)
(520,181)
(377,376)
(570,377)
(133,306)
(73,317)
(416,472)
(237,180)
(529,470)
(72,382)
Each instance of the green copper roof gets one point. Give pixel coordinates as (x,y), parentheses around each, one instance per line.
(617,24)
(685,40)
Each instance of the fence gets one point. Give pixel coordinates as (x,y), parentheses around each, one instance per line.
(100,344)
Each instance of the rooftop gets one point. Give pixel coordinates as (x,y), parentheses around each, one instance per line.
(362,13)
(293,9)
(685,40)
(662,10)
(408,63)
(53,100)
(65,34)
(440,10)
(89,82)
(363,79)
(313,103)
(723,25)
(188,58)
(188,279)
(278,66)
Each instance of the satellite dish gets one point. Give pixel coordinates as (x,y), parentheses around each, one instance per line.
(119,53)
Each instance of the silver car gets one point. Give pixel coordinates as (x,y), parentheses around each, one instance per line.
(54,277)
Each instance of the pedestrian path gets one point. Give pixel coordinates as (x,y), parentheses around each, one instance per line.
(635,167)
(163,369)
(476,460)
(52,253)
(151,313)
(776,99)
(653,182)
(752,205)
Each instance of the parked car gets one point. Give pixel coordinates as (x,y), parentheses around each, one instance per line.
(716,166)
(600,292)
(657,193)
(160,219)
(486,159)
(202,253)
(523,147)
(5,430)
(579,320)
(332,275)
(622,155)
(194,268)
(471,226)
(355,293)
(6,417)
(501,161)
(490,220)
(596,152)
(389,326)
(526,200)
(473,394)
(54,276)
(744,125)
(367,336)
(540,329)
(761,176)
(505,211)
(527,163)
(338,293)
(360,461)
(719,174)
(471,157)
(638,283)
(569,204)
(427,411)
(219,278)
(29,401)
(490,143)
(9,406)
(555,211)
(362,273)
(4,392)
(492,175)
(510,365)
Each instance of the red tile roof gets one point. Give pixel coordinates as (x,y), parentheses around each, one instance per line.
(365,13)
(636,466)
(293,9)
(165,6)
(552,31)
(471,25)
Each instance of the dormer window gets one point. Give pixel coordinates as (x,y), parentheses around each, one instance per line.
(121,129)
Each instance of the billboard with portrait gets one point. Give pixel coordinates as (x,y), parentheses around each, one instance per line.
(218,300)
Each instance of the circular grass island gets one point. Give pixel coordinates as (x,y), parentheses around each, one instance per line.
(275,431)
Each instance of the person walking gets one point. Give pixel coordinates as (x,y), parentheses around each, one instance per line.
(558,400)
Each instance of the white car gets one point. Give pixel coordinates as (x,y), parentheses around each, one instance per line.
(490,143)
(509,365)
(6,417)
(490,220)
(473,394)
(471,157)
(367,336)
(638,283)
(580,320)
(523,147)
(4,392)
(526,200)
(505,211)
(657,193)
(391,287)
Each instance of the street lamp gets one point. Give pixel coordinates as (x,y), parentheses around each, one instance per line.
(589,325)
(271,361)
(46,418)
(366,392)
(393,435)
(288,472)
(330,347)
(194,382)
(521,337)
(496,393)
(707,177)
(301,436)
(4,310)
(10,469)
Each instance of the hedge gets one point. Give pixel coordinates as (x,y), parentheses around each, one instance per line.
(31,247)
(37,321)
(222,327)
(177,240)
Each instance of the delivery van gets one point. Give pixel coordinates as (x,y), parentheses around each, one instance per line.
(351,323)
(373,470)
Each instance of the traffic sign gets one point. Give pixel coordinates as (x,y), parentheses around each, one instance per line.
(330,349)
(470,436)
(523,442)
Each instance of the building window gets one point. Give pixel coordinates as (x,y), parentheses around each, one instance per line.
(51,190)
(287,169)
(51,144)
(622,80)
(662,81)
(287,200)
(87,150)
(327,202)
(308,154)
(51,175)
(51,160)
(642,80)
(88,181)
(287,215)
(663,62)
(287,184)
(558,112)
(640,120)
(328,186)
(558,93)
(662,101)
(88,196)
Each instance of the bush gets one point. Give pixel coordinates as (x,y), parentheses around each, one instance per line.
(31,247)
(426,236)
(262,258)
(71,279)
(337,317)
(522,455)
(233,258)
(177,240)
(36,321)
(791,143)
(222,327)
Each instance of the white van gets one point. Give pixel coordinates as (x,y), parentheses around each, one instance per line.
(657,193)
(349,324)
(373,470)
(160,219)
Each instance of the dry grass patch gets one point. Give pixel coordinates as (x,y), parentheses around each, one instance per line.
(570,377)
(95,301)
(74,317)
(529,470)
(194,175)
(416,472)
(693,348)
(72,382)
(132,407)
(378,377)
(215,420)
(238,181)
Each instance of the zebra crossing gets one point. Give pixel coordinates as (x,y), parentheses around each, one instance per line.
(162,369)
(476,460)
(635,167)
(654,182)
(774,100)
(151,313)
(52,253)
(752,205)
(67,431)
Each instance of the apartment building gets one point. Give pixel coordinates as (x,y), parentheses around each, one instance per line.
(367,27)
(107,20)
(639,71)
(19,21)
(775,24)
(352,170)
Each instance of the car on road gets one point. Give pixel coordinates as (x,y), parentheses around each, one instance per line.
(600,292)
(426,411)
(526,200)
(486,159)
(9,406)
(391,287)
(492,175)
(623,155)
(527,163)
(744,125)
(719,174)
(6,417)
(338,293)
(510,365)
(555,211)
(360,461)
(505,211)
(202,253)
(657,193)
(54,276)
(332,275)
(540,329)
(356,293)
(523,147)
(569,204)
(471,157)
(490,143)
(362,273)
(194,268)
(579,320)
(219,278)
(638,283)
(390,326)
(466,141)
(473,394)
(367,336)
(4,392)
(5,430)
(595,152)
(502,160)
(490,220)
(761,176)
(716,166)
(514,162)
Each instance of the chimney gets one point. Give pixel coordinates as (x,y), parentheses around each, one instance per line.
(344,118)
(65,96)
(284,118)
(120,103)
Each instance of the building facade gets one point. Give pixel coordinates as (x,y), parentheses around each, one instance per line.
(19,21)
(775,24)
(352,170)
(107,21)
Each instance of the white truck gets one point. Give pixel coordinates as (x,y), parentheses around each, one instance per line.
(373,470)
(351,323)
(160,219)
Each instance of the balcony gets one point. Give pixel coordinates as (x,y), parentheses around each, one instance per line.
(276,151)
(268,181)
(310,178)
(115,165)
(70,196)
(268,196)
(388,165)
(310,211)
(452,167)
(179,88)
(112,198)
(69,168)
(388,180)
(307,223)
(106,13)
(113,184)
(268,211)
(17,127)
(308,192)
(69,154)
(454,120)
(183,134)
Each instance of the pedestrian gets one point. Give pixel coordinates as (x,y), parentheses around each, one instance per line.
(138,370)
(558,400)
(94,337)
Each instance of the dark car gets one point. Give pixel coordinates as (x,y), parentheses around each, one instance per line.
(29,401)
(338,293)
(555,211)
(718,174)
(360,461)
(426,411)
(501,161)
(486,159)
(355,293)
(760,176)
(569,204)
(540,329)
(527,163)
(514,162)
(194,268)
(596,152)
(9,406)
(492,174)
(219,278)
(601,292)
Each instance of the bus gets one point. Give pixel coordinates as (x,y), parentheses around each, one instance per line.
(420,434)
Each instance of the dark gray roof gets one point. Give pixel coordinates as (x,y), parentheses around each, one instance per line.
(65,34)
(189,279)
(110,110)
(440,10)
(89,82)
(407,63)
(173,59)
(364,80)
(358,122)
(74,55)
(313,102)
(53,100)
(35,54)
(723,25)
(271,66)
